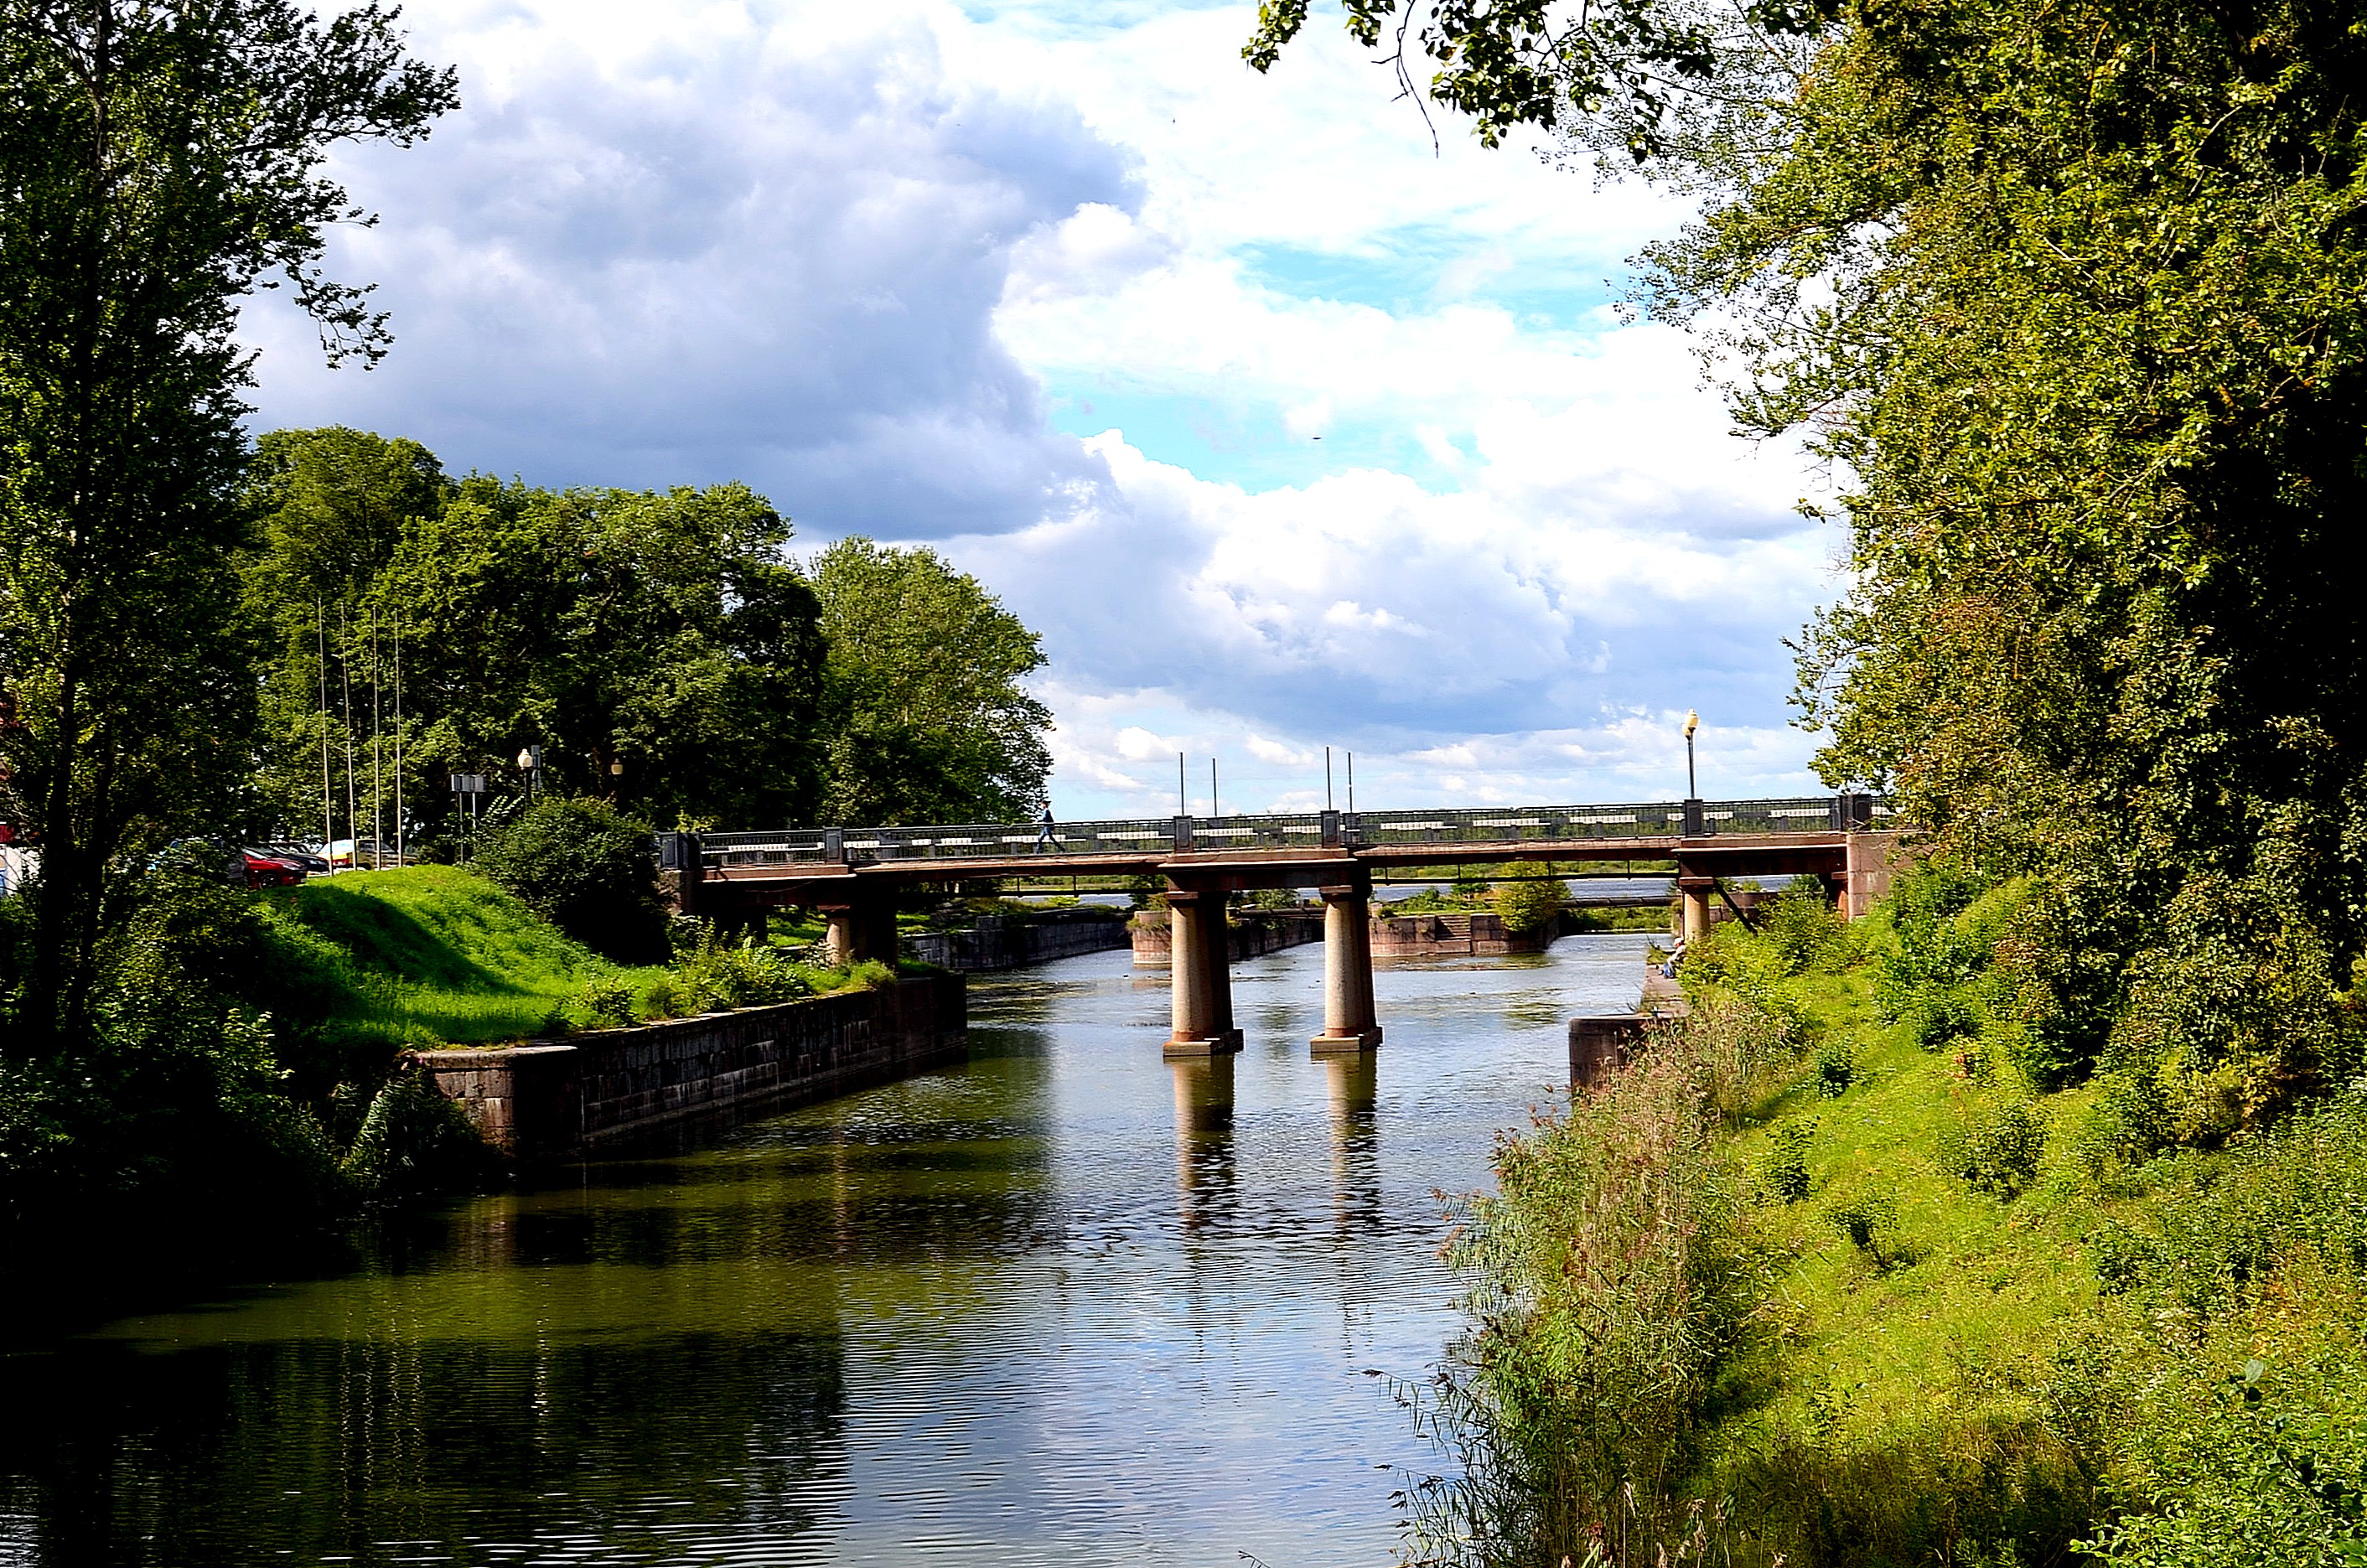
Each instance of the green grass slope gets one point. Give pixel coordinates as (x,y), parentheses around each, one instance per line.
(1824,1279)
(1979,1348)
(437,955)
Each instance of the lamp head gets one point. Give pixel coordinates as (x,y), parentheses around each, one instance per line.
(1693,722)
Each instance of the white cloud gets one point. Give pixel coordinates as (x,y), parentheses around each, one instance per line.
(845,255)
(692,243)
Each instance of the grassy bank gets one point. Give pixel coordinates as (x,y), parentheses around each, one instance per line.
(433,954)
(1827,1280)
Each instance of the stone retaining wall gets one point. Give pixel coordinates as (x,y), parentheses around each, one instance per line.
(573,1097)
(1004,944)
(1251,932)
(1454,935)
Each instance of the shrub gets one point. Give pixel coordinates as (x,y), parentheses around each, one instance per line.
(1533,902)
(1869,1223)
(1836,1069)
(749,973)
(1784,1167)
(1803,928)
(1926,976)
(662,999)
(1609,1279)
(588,869)
(1999,1153)
(414,1139)
(606,1002)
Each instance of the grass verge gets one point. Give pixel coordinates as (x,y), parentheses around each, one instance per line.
(1849,1290)
(431,955)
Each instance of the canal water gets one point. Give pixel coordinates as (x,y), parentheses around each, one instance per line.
(1070,1305)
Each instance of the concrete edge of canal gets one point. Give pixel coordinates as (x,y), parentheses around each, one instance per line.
(608,1088)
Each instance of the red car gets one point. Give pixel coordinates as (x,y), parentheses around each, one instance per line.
(270,871)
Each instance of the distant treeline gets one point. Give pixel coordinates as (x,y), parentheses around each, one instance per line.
(658,646)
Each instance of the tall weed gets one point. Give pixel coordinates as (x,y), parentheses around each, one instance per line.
(1611,1276)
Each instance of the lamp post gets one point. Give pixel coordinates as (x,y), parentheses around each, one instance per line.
(1697,820)
(529,762)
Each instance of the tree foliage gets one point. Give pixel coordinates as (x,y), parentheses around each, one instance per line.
(157,163)
(588,869)
(657,645)
(926,716)
(2074,297)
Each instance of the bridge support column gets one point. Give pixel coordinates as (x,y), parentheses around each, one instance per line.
(862,929)
(1348,1022)
(1200,981)
(1696,892)
(839,942)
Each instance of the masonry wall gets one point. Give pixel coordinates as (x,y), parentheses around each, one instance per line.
(1452,934)
(576,1096)
(1251,932)
(1001,944)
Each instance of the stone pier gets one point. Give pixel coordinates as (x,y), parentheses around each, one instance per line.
(1349,1024)
(1200,982)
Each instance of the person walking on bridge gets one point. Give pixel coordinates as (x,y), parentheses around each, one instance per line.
(1044,835)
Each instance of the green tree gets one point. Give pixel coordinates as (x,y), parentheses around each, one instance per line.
(925,713)
(654,644)
(588,869)
(2075,299)
(1529,897)
(333,506)
(156,163)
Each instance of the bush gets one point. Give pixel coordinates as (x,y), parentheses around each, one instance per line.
(1836,1069)
(1997,1154)
(1784,1167)
(606,1002)
(1869,1223)
(1610,1281)
(663,999)
(1927,977)
(717,975)
(1803,928)
(587,868)
(413,1140)
(1526,905)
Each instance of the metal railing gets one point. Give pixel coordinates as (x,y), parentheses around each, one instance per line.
(1546,826)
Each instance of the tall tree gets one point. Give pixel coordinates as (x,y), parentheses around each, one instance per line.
(2075,297)
(157,163)
(333,506)
(655,644)
(924,709)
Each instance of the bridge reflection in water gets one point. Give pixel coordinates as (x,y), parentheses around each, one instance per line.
(851,876)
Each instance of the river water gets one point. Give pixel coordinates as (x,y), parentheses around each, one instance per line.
(1069,1304)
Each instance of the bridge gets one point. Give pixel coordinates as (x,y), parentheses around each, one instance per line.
(850,875)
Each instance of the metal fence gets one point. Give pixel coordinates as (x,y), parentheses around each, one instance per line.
(1545,825)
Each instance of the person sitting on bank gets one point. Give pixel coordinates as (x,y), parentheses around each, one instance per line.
(1676,956)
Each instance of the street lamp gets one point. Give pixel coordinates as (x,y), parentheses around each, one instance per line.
(529,762)
(1697,820)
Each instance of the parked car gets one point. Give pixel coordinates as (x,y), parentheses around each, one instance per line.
(265,870)
(312,861)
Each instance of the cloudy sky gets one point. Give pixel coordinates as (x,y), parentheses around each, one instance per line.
(1284,429)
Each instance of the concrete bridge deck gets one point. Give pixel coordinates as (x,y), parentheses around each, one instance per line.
(851,875)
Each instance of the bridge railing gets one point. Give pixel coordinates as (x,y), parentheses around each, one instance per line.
(1543,824)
